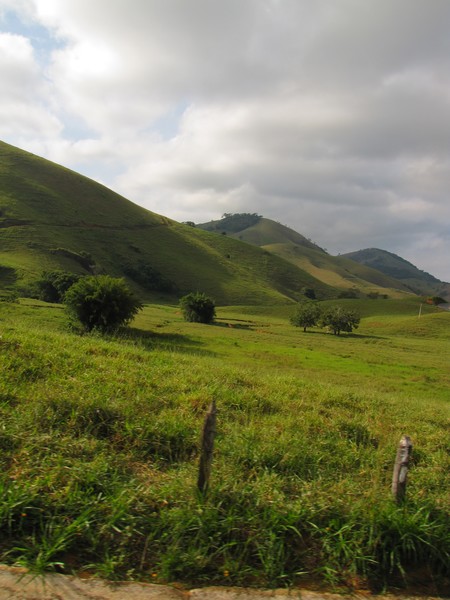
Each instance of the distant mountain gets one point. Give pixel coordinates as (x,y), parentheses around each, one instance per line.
(53,218)
(336,271)
(417,281)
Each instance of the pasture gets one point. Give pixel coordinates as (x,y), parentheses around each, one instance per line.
(99,446)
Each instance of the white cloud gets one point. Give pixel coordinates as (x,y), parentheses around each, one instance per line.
(22,102)
(332,117)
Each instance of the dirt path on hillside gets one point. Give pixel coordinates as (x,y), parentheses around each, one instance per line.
(16,584)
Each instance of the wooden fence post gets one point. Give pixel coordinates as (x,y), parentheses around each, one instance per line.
(401,469)
(206,454)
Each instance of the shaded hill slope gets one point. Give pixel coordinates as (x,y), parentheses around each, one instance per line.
(54,218)
(419,282)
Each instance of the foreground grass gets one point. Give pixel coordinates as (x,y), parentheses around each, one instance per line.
(99,447)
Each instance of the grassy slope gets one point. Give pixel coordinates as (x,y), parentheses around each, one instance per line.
(44,207)
(267,232)
(100,439)
(338,272)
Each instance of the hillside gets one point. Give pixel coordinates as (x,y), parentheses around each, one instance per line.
(257,230)
(336,271)
(419,282)
(54,218)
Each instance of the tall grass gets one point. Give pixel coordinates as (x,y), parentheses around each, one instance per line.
(99,443)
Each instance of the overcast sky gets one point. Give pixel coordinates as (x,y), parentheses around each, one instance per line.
(330,116)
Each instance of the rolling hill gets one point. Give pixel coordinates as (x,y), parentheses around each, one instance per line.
(53,218)
(255,229)
(337,271)
(419,282)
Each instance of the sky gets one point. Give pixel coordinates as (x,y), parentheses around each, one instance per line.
(329,116)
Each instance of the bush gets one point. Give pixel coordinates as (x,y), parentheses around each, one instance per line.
(54,284)
(148,277)
(83,258)
(309,293)
(436,300)
(198,308)
(350,293)
(102,303)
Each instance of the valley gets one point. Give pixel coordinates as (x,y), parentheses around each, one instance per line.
(100,434)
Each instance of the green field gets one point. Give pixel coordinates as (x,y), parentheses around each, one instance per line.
(99,446)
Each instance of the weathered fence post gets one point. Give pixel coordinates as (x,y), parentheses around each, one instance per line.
(401,469)
(206,454)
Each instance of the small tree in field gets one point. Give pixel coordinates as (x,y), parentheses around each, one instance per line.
(102,303)
(197,307)
(338,319)
(306,315)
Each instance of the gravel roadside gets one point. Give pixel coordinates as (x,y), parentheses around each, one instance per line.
(16,584)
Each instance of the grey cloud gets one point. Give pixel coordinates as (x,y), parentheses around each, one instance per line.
(332,117)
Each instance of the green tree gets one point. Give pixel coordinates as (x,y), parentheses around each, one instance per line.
(309,293)
(102,303)
(54,284)
(197,307)
(306,315)
(339,319)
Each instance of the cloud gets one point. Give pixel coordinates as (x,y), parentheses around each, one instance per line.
(331,117)
(22,101)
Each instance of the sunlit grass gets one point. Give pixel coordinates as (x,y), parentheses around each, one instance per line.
(100,438)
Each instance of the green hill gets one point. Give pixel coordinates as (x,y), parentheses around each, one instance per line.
(255,229)
(419,282)
(340,272)
(336,271)
(54,218)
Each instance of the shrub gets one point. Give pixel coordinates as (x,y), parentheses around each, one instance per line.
(197,307)
(309,293)
(83,258)
(350,293)
(148,277)
(101,302)
(54,284)
(435,300)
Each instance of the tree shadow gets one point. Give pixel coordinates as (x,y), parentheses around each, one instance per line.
(152,340)
(233,324)
(344,335)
